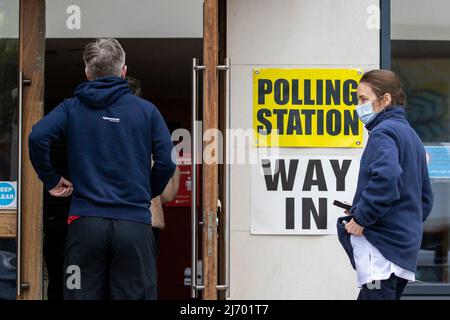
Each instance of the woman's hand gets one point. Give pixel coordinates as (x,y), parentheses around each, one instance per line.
(353,228)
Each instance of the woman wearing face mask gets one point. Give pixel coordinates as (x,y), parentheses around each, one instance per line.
(384,228)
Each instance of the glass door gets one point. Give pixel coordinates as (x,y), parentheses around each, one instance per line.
(420,44)
(161,38)
(9,146)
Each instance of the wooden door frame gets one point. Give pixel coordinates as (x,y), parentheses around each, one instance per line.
(31,63)
(210,171)
(8,223)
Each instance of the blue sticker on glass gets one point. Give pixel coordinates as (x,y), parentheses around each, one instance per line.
(438,158)
(7,194)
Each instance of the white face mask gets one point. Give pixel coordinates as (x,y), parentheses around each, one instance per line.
(365,111)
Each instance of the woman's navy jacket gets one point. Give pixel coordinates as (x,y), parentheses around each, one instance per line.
(393,196)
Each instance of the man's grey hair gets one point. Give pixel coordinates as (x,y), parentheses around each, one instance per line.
(104,58)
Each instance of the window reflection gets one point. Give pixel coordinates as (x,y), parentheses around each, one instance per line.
(424,68)
(8,109)
(9,54)
(7,269)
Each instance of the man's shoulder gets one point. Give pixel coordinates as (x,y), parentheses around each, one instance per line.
(67,103)
(142,102)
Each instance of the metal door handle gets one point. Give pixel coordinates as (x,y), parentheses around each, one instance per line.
(227,68)
(20,286)
(194,223)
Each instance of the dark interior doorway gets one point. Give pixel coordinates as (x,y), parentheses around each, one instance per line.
(163,66)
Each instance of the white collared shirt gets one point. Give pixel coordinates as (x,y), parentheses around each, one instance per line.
(371,265)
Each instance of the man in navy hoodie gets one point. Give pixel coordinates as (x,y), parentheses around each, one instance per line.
(112,137)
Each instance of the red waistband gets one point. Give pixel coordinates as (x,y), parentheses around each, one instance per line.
(71,218)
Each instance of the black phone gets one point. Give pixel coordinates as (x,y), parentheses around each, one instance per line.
(342,205)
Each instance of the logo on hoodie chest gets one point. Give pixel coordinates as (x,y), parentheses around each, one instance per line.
(116,120)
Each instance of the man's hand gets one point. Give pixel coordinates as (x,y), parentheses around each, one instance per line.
(354,228)
(64,188)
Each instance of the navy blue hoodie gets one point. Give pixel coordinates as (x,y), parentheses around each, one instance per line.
(393,196)
(111,137)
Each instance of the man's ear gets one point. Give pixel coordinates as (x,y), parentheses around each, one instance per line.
(124,71)
(88,75)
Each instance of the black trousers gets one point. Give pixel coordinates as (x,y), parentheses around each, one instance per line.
(156,232)
(389,289)
(54,243)
(109,259)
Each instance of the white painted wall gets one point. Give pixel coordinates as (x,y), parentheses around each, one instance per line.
(294,34)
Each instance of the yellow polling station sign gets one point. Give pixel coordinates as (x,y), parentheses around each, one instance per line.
(306,108)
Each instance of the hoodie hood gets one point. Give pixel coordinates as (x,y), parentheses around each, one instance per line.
(101,92)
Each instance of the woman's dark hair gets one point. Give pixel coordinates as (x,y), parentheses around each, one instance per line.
(135,85)
(385,81)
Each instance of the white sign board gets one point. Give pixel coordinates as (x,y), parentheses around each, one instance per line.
(8,194)
(295,194)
